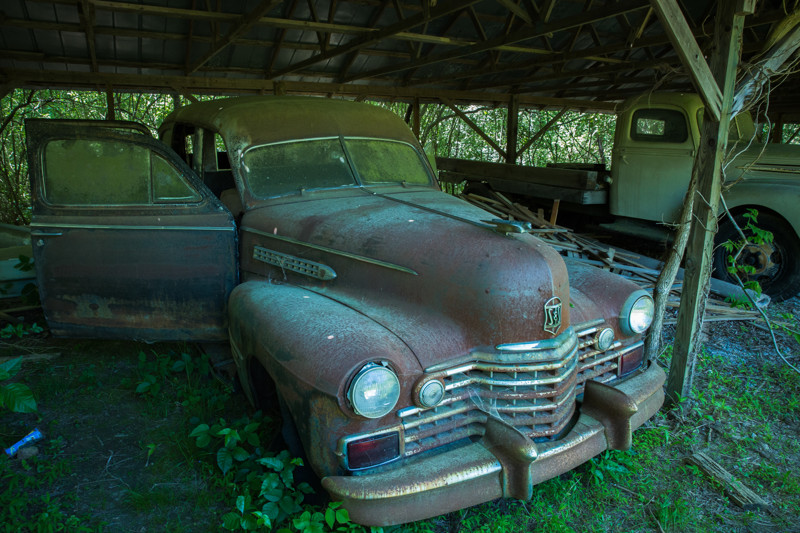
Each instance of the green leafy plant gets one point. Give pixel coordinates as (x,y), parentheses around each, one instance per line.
(738,269)
(15,397)
(186,375)
(265,482)
(19,330)
(25,264)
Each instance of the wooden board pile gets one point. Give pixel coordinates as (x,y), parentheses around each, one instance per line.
(641,270)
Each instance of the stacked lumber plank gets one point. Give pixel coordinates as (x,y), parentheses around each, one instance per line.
(642,270)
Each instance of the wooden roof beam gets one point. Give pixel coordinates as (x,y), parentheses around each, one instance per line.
(518,10)
(519,35)
(376,15)
(277,48)
(242,26)
(443,8)
(86,15)
(218,85)
(683,40)
(780,51)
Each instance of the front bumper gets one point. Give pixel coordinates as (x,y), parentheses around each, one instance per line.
(504,463)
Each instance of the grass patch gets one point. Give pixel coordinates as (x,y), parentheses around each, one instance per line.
(146,437)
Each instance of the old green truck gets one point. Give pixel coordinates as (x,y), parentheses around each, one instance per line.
(655,143)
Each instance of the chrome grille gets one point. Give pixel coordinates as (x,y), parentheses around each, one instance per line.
(534,390)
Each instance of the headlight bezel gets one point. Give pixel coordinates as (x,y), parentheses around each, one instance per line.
(356,397)
(630,315)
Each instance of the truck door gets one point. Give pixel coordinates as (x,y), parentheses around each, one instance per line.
(127,242)
(652,164)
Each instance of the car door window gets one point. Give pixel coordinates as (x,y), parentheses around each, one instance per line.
(91,172)
(168,183)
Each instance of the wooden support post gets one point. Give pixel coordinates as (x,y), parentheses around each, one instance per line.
(416,125)
(512,129)
(110,111)
(776,135)
(713,138)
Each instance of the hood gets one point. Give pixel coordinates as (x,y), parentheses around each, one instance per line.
(419,262)
(772,162)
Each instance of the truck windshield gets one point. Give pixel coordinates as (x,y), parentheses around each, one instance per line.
(289,167)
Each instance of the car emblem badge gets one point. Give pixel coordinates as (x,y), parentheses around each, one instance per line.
(552,315)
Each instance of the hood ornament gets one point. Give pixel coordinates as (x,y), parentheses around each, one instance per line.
(552,315)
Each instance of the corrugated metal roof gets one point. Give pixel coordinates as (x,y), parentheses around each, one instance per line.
(462,50)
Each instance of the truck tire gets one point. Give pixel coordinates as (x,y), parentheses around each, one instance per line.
(777,264)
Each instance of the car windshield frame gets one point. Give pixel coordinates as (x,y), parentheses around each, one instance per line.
(348,163)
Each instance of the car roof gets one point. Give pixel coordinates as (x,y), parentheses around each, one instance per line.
(249,121)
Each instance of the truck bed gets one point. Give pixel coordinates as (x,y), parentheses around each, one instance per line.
(584,186)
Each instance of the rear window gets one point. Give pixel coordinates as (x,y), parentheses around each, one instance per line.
(659,125)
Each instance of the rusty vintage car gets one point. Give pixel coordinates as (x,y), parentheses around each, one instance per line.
(430,357)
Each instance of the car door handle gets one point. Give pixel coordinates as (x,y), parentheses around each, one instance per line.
(46,234)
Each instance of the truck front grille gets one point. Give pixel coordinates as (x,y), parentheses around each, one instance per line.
(534,390)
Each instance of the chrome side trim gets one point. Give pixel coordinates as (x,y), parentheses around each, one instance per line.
(124,227)
(334,251)
(293,263)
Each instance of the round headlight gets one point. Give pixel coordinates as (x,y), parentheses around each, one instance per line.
(374,391)
(431,393)
(637,313)
(604,339)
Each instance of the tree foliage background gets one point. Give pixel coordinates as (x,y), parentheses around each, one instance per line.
(22,104)
(574,137)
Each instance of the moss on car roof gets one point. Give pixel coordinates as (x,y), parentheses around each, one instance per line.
(248,121)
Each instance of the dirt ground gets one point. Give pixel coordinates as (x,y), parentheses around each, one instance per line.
(116,460)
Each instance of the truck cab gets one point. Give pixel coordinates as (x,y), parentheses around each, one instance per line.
(655,144)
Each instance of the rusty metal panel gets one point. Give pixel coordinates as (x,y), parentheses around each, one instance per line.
(153,269)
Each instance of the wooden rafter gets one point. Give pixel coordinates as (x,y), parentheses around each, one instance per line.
(682,37)
(518,10)
(279,42)
(514,37)
(86,13)
(241,27)
(376,15)
(442,9)
(203,84)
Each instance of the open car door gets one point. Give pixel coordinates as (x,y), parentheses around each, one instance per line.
(127,241)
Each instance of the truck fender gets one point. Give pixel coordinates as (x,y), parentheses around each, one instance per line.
(311,345)
(782,199)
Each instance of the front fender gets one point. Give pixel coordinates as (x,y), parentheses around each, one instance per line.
(311,345)
(596,293)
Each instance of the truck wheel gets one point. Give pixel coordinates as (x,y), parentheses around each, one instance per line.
(776,264)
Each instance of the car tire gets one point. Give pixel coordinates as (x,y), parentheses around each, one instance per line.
(777,265)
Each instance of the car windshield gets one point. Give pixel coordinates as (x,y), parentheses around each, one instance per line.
(289,167)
